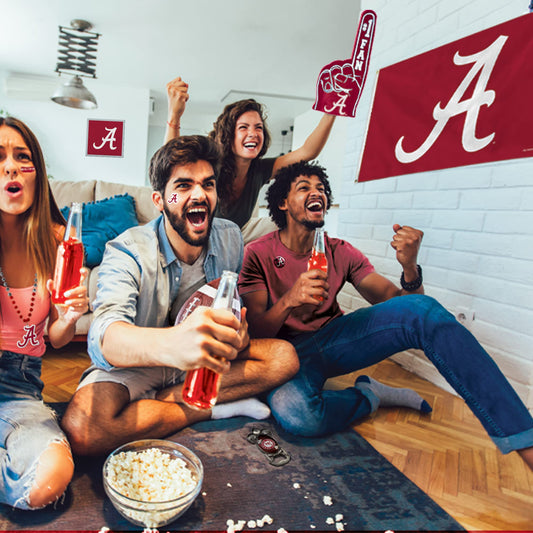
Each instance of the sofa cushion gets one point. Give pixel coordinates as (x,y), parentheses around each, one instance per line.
(66,192)
(102,221)
(144,206)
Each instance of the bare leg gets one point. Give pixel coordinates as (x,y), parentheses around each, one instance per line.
(527,456)
(53,474)
(266,364)
(101,417)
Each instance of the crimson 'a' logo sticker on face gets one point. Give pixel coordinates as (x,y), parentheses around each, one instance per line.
(279,262)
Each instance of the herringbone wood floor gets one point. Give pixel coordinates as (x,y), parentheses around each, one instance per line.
(446,453)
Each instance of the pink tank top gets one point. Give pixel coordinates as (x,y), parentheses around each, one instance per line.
(18,336)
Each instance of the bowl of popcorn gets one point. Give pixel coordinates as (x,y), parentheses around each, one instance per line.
(152,482)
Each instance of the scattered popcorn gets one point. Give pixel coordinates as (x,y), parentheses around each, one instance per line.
(229,484)
(296,485)
(312,526)
(330,520)
(281,530)
(232,527)
(327,500)
(204,493)
(104,530)
(267,519)
(339,526)
(339,518)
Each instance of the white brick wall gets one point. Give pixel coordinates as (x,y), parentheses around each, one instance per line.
(477,251)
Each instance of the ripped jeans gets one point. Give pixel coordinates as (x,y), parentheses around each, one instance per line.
(27,426)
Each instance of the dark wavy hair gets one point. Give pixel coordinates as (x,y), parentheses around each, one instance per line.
(281,185)
(223,134)
(182,151)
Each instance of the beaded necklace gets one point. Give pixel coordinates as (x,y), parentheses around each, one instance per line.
(12,298)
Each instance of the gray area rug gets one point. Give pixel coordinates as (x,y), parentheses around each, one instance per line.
(332,483)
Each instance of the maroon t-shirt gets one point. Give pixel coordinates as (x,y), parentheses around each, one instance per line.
(270,266)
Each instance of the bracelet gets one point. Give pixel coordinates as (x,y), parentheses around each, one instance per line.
(172,125)
(412,285)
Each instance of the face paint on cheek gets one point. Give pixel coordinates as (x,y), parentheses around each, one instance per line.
(173,198)
(27,169)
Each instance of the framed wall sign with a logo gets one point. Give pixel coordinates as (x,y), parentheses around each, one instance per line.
(105,138)
(464,103)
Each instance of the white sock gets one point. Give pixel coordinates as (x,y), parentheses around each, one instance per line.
(251,407)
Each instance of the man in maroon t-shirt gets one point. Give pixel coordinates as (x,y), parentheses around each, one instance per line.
(286,300)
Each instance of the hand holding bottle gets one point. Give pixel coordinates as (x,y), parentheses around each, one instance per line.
(200,389)
(76,302)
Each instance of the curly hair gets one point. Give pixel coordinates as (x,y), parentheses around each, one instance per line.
(223,134)
(182,151)
(281,185)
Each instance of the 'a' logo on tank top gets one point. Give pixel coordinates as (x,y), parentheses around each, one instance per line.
(279,262)
(30,337)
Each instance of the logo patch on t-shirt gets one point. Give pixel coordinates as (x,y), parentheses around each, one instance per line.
(279,262)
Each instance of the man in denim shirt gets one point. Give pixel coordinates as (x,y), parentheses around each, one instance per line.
(133,389)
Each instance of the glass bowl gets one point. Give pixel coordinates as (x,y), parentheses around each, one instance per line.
(144,484)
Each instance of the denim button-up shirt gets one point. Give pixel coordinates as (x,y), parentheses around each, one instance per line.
(139,277)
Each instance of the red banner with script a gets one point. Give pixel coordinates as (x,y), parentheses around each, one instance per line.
(463,103)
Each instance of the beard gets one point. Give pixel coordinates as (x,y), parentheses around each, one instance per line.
(179,224)
(313,225)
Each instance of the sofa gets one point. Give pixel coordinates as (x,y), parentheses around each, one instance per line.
(108,209)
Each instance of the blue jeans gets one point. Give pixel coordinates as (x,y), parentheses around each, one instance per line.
(369,335)
(27,426)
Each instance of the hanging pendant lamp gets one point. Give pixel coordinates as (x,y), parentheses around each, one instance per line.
(76,56)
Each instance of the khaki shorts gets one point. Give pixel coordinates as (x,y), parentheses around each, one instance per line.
(141,382)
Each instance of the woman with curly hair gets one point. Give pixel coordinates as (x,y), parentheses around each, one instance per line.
(244,139)
(35,458)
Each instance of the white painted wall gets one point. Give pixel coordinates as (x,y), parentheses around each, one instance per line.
(62,133)
(477,251)
(331,157)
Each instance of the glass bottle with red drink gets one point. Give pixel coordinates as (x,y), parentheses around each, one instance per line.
(318,259)
(69,258)
(200,389)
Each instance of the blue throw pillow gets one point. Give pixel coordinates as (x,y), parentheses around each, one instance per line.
(102,221)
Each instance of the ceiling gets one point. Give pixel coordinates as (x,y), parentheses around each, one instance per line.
(224,49)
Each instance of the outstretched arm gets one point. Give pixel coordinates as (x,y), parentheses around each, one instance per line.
(177,96)
(312,146)
(207,338)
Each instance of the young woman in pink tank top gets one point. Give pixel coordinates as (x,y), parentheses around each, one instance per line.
(36,463)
